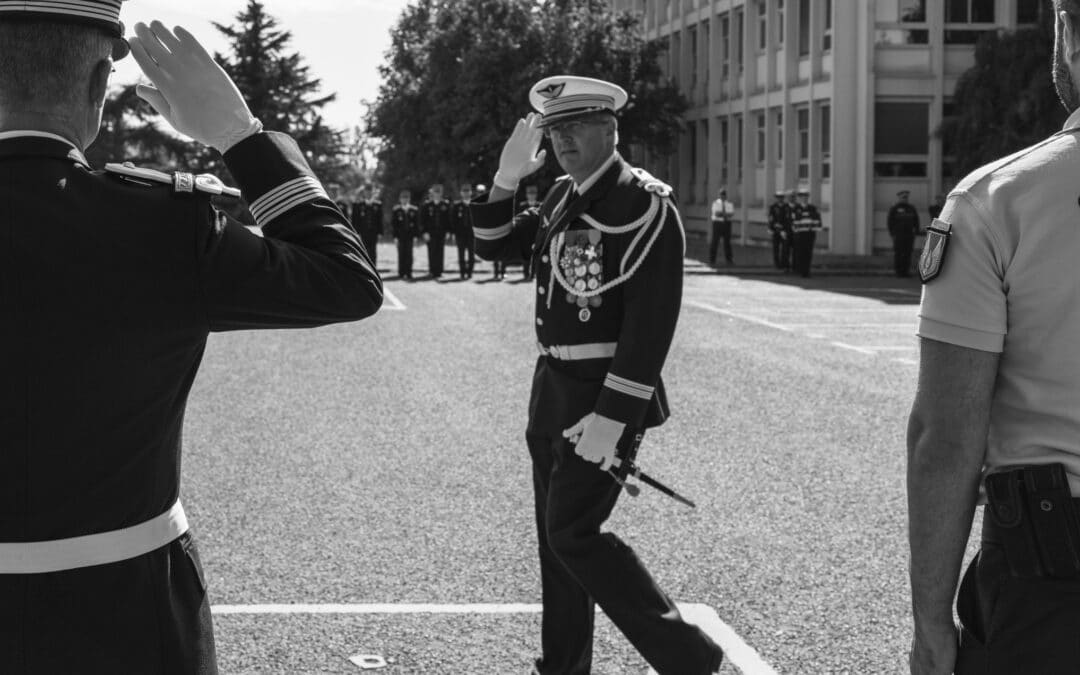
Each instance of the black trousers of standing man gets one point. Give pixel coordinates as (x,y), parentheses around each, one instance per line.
(581,567)
(436,247)
(902,246)
(721,229)
(466,255)
(404,257)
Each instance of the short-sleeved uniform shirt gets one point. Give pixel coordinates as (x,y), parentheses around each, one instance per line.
(1010,283)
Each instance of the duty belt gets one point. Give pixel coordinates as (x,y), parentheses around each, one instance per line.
(593,350)
(36,557)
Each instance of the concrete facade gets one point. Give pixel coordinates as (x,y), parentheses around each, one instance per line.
(842,97)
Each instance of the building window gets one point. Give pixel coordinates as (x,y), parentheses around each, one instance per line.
(902,22)
(779,24)
(1027,12)
(725,46)
(738,148)
(724,159)
(760,138)
(779,114)
(967,20)
(825,115)
(901,139)
(763,25)
(826,36)
(691,36)
(802,124)
(704,157)
(804,27)
(705,44)
(692,138)
(737,42)
(676,57)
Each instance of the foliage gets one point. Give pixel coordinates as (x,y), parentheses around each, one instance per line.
(458,72)
(1007,100)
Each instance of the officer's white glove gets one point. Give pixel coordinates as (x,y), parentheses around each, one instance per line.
(190,90)
(519,157)
(596,437)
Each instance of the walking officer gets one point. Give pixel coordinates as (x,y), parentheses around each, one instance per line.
(434,223)
(367,220)
(997,408)
(403,222)
(903,225)
(806,221)
(780,226)
(608,247)
(461,226)
(110,282)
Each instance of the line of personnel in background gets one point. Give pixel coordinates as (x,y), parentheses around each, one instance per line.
(433,223)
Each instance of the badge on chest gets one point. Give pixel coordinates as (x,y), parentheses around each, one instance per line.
(582,265)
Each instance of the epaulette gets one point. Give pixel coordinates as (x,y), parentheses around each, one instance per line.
(181,181)
(651,183)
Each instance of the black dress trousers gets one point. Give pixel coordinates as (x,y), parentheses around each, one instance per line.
(580,566)
(148,615)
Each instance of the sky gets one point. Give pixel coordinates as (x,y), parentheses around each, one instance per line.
(342,41)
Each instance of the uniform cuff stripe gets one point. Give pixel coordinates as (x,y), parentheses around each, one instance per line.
(491,234)
(629,387)
(110,12)
(286,196)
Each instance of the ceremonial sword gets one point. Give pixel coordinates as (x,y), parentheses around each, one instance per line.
(633,490)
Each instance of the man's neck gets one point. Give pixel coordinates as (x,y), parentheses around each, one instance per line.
(47,122)
(584,175)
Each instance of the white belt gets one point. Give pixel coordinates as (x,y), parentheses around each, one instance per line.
(594,350)
(36,557)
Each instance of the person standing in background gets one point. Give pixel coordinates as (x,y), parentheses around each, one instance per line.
(531,201)
(461,226)
(434,223)
(403,222)
(903,223)
(779,225)
(368,219)
(721,215)
(804,226)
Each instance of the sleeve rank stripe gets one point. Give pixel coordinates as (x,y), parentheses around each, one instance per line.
(629,387)
(109,13)
(286,196)
(493,233)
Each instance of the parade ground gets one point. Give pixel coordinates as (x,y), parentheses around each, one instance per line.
(365,489)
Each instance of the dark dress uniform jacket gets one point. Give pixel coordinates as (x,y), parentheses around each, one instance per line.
(639,314)
(109,287)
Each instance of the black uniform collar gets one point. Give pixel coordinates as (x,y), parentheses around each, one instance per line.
(39,144)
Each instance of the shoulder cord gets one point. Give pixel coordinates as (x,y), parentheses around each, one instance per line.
(649,214)
(556,270)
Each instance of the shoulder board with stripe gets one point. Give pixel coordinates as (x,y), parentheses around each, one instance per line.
(181,182)
(651,183)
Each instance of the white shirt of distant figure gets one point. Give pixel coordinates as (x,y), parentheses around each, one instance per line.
(722,209)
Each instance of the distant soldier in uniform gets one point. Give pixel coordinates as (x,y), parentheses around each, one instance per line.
(903,227)
(110,282)
(608,246)
(434,224)
(334,190)
(404,223)
(780,226)
(367,219)
(804,226)
(997,408)
(721,214)
(934,209)
(461,226)
(531,201)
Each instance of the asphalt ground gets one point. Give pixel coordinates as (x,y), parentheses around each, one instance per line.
(383,462)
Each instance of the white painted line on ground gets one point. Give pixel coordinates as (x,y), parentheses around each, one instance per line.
(390,301)
(851,325)
(861,350)
(736,315)
(907,362)
(736,650)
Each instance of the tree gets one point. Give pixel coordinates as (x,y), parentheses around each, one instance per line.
(1007,100)
(280,90)
(458,73)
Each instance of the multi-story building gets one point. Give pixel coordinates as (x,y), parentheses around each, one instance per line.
(842,97)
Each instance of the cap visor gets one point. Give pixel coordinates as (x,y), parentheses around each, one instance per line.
(548,120)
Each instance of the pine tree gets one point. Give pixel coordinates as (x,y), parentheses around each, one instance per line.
(280,89)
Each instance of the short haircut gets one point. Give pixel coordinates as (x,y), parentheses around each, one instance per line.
(46,64)
(1071,7)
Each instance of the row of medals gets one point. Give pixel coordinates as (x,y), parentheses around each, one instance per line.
(581,266)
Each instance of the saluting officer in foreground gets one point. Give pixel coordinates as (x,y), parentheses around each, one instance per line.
(997,409)
(806,221)
(110,282)
(608,246)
